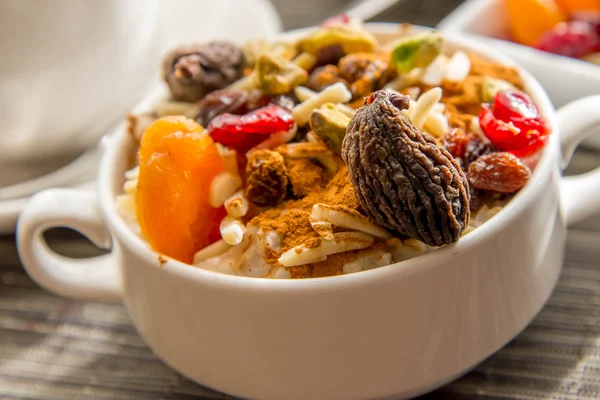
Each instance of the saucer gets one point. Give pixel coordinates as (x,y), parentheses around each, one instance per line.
(81,171)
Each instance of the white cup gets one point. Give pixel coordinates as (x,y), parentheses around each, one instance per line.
(70,69)
(392,332)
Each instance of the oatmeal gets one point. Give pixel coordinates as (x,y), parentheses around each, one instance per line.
(328,155)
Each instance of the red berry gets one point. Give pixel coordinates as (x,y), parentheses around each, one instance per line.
(243,132)
(571,39)
(590,17)
(514,123)
(341,19)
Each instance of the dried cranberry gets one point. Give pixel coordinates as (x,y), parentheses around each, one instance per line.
(571,39)
(243,132)
(498,172)
(341,19)
(513,123)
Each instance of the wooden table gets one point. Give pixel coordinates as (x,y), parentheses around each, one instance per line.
(56,348)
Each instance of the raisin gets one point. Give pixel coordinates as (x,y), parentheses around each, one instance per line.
(329,54)
(455,142)
(403,180)
(465,147)
(235,102)
(267,178)
(498,172)
(474,149)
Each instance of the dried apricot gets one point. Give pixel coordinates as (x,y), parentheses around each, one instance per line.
(178,161)
(498,172)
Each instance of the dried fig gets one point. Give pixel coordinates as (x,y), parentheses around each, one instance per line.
(191,72)
(403,180)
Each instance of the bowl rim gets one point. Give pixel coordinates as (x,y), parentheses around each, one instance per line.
(116,144)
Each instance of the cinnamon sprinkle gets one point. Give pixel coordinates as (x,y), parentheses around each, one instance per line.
(291,222)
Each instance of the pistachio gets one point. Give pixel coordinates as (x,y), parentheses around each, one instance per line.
(329,124)
(254,48)
(277,75)
(491,86)
(286,50)
(416,51)
(305,61)
(351,40)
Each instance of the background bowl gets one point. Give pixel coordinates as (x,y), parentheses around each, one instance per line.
(564,79)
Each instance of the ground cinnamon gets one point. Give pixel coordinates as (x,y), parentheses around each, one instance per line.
(291,221)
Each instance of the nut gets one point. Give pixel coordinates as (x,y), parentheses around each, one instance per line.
(329,123)
(416,51)
(191,72)
(278,76)
(403,180)
(349,39)
(267,178)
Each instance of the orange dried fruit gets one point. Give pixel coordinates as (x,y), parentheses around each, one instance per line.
(530,19)
(178,161)
(579,5)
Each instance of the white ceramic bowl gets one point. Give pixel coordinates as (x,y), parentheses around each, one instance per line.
(392,332)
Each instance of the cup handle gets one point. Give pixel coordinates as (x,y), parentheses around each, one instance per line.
(93,278)
(579,194)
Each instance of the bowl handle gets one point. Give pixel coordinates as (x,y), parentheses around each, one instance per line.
(577,120)
(93,278)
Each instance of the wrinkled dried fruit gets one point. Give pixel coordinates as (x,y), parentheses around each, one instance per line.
(455,142)
(277,76)
(465,147)
(351,40)
(228,101)
(477,199)
(403,180)
(329,123)
(364,71)
(498,172)
(474,149)
(416,51)
(191,72)
(324,76)
(330,54)
(266,178)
